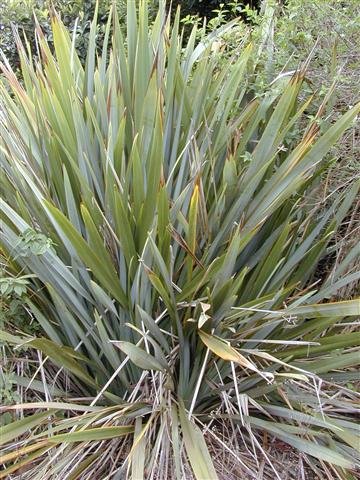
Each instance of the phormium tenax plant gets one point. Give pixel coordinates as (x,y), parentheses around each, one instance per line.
(173,280)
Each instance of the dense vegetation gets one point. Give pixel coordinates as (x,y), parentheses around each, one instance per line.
(78,14)
(162,229)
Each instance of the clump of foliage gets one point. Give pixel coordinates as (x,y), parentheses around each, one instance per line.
(173,276)
(12,291)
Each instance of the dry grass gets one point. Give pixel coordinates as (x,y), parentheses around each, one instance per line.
(237,452)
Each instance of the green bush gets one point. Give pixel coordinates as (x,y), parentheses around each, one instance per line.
(164,216)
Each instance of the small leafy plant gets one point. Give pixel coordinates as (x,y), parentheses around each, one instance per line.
(176,245)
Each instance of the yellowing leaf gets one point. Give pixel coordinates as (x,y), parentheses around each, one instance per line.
(225,351)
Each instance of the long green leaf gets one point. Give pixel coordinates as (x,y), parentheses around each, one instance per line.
(196,449)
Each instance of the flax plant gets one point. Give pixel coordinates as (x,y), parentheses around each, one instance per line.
(163,214)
